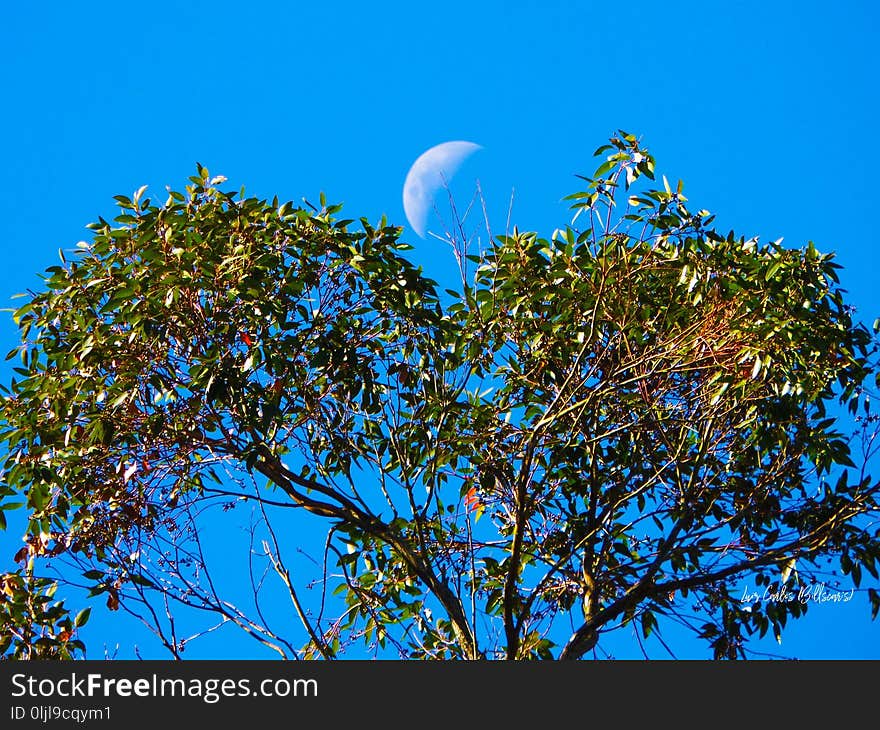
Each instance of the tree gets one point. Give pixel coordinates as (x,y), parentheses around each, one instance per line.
(622,423)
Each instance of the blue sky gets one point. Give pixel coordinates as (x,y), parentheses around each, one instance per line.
(767,110)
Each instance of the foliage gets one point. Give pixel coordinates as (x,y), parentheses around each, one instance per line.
(32,626)
(620,423)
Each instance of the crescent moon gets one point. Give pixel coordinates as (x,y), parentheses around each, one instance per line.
(429,173)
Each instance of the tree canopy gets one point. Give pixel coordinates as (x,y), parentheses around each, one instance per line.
(624,422)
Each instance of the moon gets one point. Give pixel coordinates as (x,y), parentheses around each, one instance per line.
(428,174)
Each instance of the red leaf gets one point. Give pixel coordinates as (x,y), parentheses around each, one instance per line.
(471,500)
(246,338)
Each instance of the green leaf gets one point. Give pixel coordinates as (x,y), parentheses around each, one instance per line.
(649,622)
(604,168)
(82,617)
